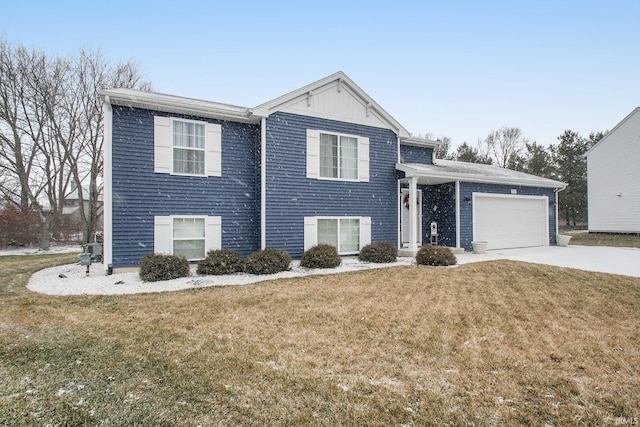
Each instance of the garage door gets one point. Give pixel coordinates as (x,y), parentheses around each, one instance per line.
(511,221)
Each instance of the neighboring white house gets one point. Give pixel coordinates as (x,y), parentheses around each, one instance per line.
(613,179)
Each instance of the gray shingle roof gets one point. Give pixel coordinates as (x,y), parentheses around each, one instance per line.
(449,170)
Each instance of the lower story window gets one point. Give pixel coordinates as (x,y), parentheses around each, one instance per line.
(343,233)
(189,238)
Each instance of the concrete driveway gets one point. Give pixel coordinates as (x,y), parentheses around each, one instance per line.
(624,261)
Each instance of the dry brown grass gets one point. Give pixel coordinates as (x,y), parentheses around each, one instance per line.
(604,239)
(499,343)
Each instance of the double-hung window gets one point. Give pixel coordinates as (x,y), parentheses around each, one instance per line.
(338,156)
(188,148)
(189,237)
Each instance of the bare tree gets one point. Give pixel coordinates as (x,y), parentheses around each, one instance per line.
(22,131)
(505,145)
(51,130)
(90,73)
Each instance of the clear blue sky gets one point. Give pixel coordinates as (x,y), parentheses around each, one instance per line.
(452,68)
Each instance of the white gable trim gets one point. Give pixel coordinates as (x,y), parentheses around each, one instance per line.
(341,84)
(612,131)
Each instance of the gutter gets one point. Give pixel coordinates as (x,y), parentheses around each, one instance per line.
(179,105)
(409,172)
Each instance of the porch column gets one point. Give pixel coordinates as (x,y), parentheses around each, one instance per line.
(413,213)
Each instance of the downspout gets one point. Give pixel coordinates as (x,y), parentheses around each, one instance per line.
(457,214)
(108,187)
(398,199)
(263,183)
(557,228)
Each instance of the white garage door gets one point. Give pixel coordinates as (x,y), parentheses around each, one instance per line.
(511,221)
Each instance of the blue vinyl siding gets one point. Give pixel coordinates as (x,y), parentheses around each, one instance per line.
(466,209)
(291,195)
(412,154)
(139,194)
(439,205)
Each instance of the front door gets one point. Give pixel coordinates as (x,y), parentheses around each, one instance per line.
(404,217)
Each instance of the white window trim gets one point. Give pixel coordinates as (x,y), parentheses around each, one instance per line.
(204,238)
(313,156)
(163,233)
(311,231)
(163,146)
(204,150)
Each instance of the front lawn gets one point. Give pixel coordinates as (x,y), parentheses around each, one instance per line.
(495,343)
(605,239)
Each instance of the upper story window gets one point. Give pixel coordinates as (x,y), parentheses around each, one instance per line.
(338,156)
(188,147)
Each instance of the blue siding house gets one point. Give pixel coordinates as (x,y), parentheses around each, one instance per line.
(322,164)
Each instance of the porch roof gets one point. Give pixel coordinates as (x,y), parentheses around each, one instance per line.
(448,171)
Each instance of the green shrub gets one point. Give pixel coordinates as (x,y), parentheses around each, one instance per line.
(435,255)
(379,252)
(221,261)
(157,267)
(267,261)
(321,256)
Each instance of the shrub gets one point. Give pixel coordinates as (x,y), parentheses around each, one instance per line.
(379,252)
(157,267)
(18,228)
(221,261)
(267,261)
(435,255)
(321,256)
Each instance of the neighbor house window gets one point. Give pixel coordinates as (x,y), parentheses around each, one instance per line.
(189,238)
(338,156)
(188,148)
(343,233)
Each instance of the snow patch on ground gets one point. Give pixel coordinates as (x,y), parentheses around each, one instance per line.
(37,251)
(71,280)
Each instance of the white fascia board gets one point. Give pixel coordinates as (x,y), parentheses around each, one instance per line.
(178,105)
(420,142)
(410,172)
(107,211)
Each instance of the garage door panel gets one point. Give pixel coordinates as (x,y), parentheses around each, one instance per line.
(511,221)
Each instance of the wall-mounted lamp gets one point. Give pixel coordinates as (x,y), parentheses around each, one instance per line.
(619,194)
(468,200)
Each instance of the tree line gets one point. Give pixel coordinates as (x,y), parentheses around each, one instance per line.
(563,161)
(51,137)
